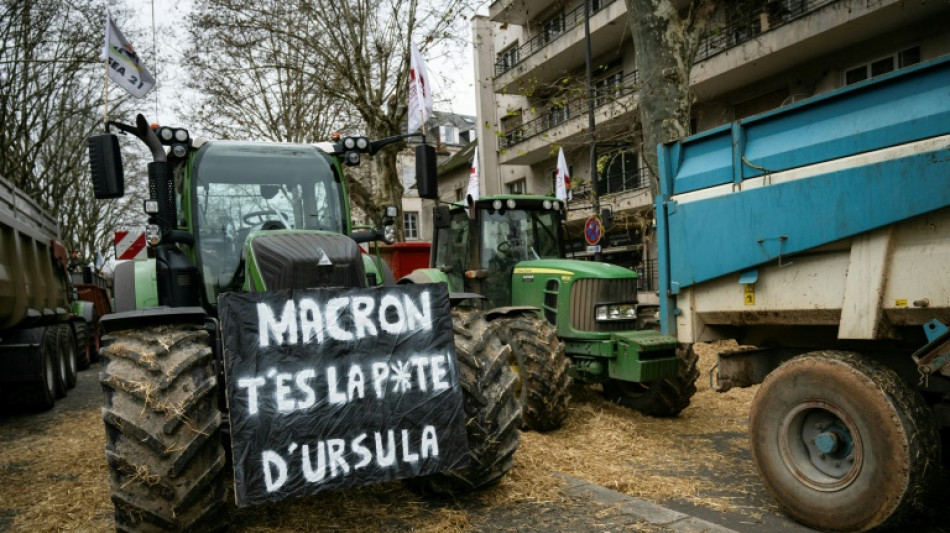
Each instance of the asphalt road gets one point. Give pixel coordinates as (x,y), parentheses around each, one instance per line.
(53,478)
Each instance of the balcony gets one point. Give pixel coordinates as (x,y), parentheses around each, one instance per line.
(530,142)
(553,51)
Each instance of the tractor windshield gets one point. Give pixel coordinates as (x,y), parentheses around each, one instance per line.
(243,187)
(509,236)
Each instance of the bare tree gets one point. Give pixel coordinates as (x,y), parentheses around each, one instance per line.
(665,41)
(51,82)
(354,53)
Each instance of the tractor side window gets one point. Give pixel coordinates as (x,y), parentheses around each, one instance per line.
(452,250)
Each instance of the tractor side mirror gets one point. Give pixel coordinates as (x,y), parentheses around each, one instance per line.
(105,162)
(441,217)
(427,179)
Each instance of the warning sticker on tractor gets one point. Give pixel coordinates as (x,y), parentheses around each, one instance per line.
(130,243)
(333,388)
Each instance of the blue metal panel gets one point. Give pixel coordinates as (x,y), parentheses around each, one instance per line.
(713,237)
(703,162)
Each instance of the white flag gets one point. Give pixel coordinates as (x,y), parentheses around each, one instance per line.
(124,66)
(420,91)
(562,185)
(472,195)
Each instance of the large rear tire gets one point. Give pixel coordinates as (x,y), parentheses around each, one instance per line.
(664,397)
(83,345)
(60,361)
(492,410)
(66,342)
(163,447)
(537,357)
(841,442)
(41,394)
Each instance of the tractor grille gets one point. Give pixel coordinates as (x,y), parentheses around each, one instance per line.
(585,293)
(291,261)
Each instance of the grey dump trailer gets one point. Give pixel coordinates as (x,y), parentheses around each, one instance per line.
(42,332)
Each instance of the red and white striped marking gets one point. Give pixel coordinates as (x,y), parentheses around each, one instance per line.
(130,244)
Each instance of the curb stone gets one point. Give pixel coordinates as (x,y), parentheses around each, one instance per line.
(641,509)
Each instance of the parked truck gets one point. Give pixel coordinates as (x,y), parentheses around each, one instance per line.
(40,316)
(259,326)
(818,236)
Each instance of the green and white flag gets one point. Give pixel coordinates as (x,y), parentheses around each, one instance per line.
(123,63)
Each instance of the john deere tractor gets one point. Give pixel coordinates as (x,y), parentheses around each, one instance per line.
(232,222)
(509,250)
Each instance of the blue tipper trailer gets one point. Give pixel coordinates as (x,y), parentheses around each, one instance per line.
(818,237)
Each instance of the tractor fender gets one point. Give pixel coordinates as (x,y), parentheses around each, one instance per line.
(425,275)
(510,311)
(141,318)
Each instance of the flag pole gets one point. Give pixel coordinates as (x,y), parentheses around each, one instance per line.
(105,98)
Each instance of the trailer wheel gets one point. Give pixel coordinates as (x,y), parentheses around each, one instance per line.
(537,357)
(59,361)
(66,343)
(163,447)
(41,394)
(664,397)
(492,411)
(83,345)
(841,442)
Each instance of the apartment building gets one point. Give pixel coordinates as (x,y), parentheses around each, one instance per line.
(530,67)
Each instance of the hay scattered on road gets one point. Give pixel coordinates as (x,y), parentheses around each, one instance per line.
(55,476)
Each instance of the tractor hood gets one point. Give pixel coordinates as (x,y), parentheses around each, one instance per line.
(573,268)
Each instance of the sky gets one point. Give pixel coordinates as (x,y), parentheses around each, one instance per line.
(169,35)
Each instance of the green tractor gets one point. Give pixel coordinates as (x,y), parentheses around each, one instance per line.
(232,221)
(509,251)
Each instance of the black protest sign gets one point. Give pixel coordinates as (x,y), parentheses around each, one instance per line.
(333,388)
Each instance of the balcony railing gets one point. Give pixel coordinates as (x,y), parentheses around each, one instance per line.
(720,38)
(553,116)
(508,59)
(626,181)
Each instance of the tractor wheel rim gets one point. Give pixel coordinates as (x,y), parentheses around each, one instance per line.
(820,445)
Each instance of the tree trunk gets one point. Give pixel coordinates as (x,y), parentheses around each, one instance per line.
(665,41)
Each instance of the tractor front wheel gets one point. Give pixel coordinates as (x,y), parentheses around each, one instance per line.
(663,397)
(537,356)
(492,411)
(163,447)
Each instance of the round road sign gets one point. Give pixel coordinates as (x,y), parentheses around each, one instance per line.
(593,231)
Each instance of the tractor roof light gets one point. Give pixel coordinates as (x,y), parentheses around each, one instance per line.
(151,207)
(546,204)
(496,204)
(556,205)
(511,203)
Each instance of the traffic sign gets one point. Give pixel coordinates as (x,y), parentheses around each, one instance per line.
(593,231)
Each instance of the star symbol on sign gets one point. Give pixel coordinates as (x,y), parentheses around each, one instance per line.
(401,375)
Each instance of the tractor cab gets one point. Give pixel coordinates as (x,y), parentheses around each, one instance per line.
(478,247)
(237,188)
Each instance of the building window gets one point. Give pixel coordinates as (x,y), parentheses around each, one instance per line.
(557,115)
(508,59)
(511,127)
(620,171)
(553,27)
(410,225)
(607,88)
(883,65)
(447,134)
(517,187)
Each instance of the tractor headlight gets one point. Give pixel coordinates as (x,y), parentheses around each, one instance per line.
(151,207)
(349,143)
(618,311)
(389,235)
(352,158)
(153,235)
(181,135)
(362,143)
